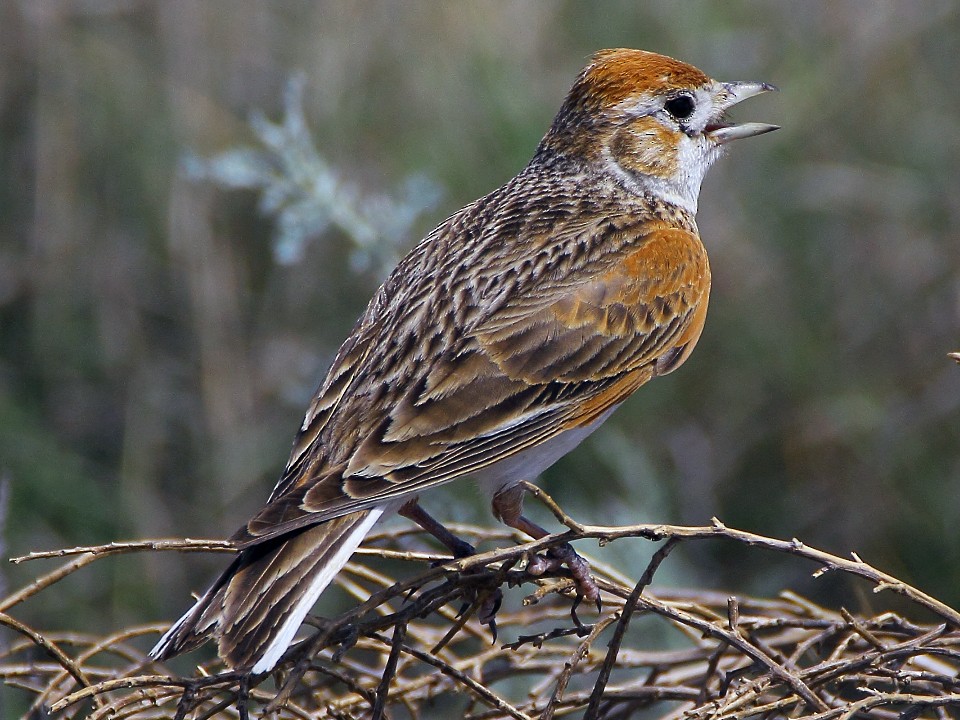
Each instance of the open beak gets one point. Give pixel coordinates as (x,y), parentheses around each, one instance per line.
(731,94)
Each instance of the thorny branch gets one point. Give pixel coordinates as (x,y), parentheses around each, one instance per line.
(404,645)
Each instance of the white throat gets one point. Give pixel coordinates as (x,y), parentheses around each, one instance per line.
(683,188)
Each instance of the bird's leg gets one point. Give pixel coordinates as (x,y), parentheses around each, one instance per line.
(459,547)
(488,607)
(508,508)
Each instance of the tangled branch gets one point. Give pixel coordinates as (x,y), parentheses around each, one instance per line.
(413,644)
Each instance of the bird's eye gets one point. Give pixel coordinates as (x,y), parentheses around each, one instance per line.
(681,107)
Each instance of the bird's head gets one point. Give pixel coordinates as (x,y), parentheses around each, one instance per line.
(654,122)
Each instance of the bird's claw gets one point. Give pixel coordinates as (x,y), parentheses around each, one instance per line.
(487,604)
(573,610)
(564,555)
(488,609)
(486,601)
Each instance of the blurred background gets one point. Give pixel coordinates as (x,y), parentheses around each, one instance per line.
(178,266)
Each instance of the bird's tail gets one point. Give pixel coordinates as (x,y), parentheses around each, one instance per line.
(256,606)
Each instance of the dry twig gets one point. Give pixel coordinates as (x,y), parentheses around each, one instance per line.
(402,647)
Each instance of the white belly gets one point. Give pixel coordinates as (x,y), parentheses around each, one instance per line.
(528,464)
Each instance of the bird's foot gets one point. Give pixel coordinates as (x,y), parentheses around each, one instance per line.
(487,601)
(564,555)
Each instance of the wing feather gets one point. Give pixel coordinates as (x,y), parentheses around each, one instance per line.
(563,346)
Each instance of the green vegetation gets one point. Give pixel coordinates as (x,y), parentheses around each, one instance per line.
(159,342)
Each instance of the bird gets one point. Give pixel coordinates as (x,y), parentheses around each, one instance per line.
(500,342)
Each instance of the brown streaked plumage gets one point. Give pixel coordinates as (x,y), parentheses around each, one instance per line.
(502,340)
